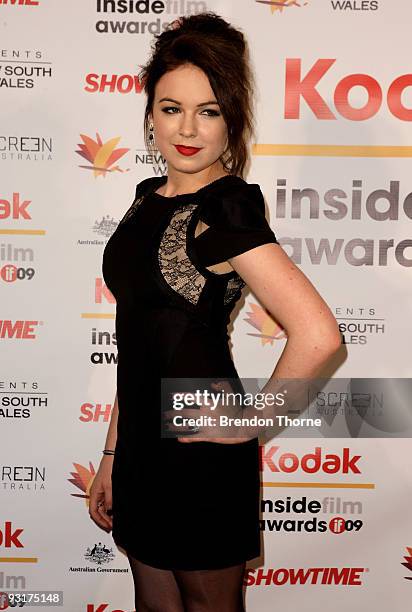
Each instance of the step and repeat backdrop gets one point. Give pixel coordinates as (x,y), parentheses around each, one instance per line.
(332,155)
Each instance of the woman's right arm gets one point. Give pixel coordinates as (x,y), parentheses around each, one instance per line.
(100,502)
(111,437)
(313,335)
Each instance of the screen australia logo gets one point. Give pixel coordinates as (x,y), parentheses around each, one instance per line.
(102,156)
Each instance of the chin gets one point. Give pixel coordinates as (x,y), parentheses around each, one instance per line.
(186,165)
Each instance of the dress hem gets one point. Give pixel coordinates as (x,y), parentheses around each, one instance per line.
(185,567)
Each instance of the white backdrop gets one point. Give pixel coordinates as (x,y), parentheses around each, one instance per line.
(334,118)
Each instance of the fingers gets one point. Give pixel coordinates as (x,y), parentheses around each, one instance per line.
(104,509)
(99,508)
(108,499)
(204,420)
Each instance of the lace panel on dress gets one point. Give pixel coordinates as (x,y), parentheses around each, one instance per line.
(233,286)
(132,209)
(175,265)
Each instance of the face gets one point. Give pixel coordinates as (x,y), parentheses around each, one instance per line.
(186,113)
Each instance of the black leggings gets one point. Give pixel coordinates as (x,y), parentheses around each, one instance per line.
(158,590)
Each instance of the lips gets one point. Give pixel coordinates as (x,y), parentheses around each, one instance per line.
(187,150)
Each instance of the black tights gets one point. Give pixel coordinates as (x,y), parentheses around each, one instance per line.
(158,590)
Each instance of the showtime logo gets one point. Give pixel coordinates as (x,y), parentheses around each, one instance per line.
(297,86)
(345,576)
(311,463)
(123,83)
(95,412)
(20,330)
(21,2)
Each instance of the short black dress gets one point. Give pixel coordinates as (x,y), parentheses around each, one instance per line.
(178,505)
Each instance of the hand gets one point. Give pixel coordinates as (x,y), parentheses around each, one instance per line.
(213,433)
(100,502)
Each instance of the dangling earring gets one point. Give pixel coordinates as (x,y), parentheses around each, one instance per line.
(151,134)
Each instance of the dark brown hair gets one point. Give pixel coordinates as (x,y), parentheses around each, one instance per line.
(220,50)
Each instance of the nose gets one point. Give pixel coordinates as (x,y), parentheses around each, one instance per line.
(187,127)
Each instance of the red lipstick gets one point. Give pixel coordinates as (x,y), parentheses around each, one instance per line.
(187,150)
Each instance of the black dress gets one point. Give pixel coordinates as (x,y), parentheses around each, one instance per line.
(180,505)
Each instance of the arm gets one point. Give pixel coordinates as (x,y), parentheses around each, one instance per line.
(312,330)
(111,437)
(313,335)
(239,235)
(100,502)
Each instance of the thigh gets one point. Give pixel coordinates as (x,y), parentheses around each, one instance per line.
(211,590)
(156,589)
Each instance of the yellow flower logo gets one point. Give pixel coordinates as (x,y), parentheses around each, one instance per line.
(279,5)
(269,329)
(83,479)
(101,155)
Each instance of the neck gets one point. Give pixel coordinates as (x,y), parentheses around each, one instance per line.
(185,182)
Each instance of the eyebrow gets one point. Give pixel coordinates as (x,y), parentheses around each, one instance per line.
(177,102)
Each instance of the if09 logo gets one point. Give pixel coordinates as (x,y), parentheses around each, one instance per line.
(339,524)
(10,273)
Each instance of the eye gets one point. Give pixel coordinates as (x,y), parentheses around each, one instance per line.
(213,113)
(210,111)
(166,109)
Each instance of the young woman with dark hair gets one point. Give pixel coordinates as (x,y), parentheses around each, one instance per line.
(186,511)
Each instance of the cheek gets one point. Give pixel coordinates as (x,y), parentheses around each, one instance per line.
(215,134)
(164,128)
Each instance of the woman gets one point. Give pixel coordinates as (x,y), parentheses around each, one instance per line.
(187,513)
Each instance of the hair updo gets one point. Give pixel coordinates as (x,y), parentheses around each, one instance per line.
(220,50)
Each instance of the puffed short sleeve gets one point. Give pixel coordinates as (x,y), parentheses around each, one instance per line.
(237,223)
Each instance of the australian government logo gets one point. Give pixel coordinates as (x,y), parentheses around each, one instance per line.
(105,226)
(99,556)
(102,228)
